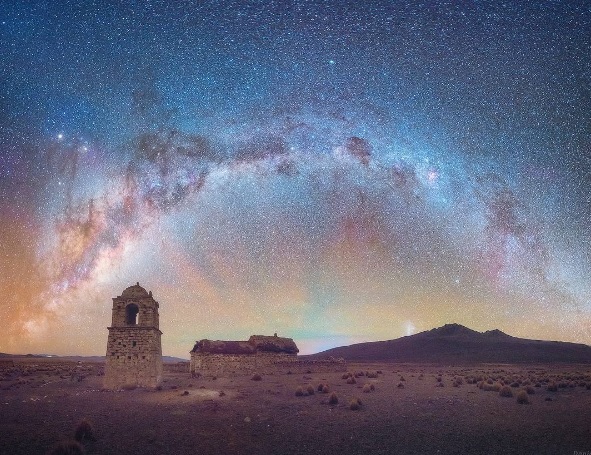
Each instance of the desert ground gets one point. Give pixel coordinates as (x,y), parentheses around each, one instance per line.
(412,409)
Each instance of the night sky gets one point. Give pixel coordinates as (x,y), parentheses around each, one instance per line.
(334,171)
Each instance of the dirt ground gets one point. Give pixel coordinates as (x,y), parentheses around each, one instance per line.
(43,401)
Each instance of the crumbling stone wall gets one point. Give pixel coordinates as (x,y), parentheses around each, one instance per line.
(264,363)
(134,358)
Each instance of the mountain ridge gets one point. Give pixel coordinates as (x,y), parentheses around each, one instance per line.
(458,344)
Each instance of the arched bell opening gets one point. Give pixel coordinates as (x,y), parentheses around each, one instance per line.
(132,314)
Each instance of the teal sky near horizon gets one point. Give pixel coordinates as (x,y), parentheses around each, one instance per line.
(333,171)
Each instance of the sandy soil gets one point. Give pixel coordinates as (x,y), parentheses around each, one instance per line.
(42,402)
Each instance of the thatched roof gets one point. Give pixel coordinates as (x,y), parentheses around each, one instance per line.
(256,343)
(274,344)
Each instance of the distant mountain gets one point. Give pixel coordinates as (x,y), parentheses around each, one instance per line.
(78,358)
(454,343)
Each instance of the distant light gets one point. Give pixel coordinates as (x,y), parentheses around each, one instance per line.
(331,62)
(60,136)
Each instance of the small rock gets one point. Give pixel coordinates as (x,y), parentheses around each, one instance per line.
(247,419)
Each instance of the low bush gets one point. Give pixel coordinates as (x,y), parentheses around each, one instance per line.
(333,399)
(355,404)
(506,391)
(84,431)
(522,397)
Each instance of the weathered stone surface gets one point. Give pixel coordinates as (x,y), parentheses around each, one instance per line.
(262,354)
(134,350)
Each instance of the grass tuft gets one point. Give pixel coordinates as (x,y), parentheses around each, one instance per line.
(355,404)
(506,391)
(333,399)
(522,397)
(84,431)
(552,387)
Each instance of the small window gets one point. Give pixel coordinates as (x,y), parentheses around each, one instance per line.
(117,357)
(144,357)
(128,357)
(133,343)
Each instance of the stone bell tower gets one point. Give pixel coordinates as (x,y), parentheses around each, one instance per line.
(134,350)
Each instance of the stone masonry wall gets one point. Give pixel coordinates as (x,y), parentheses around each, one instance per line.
(134,357)
(264,363)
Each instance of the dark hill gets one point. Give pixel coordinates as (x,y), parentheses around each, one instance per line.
(454,343)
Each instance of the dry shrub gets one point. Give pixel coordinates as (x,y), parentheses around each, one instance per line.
(355,404)
(530,390)
(325,389)
(552,387)
(366,388)
(345,375)
(299,392)
(320,387)
(522,397)
(84,431)
(310,390)
(372,387)
(333,399)
(588,386)
(67,448)
(495,387)
(506,391)
(351,380)
(515,384)
(400,385)
(256,377)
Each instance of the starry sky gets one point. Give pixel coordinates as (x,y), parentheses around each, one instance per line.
(336,171)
